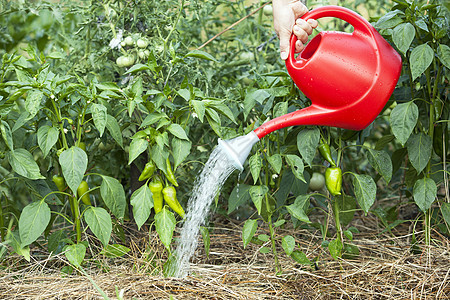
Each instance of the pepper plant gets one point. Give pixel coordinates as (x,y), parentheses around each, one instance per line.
(420,117)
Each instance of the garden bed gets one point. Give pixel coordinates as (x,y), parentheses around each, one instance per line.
(385,269)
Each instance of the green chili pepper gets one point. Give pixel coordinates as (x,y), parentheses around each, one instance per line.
(169,175)
(325,151)
(170,196)
(333,180)
(148,171)
(82,191)
(156,187)
(59,182)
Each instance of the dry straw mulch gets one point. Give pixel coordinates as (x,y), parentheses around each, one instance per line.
(385,269)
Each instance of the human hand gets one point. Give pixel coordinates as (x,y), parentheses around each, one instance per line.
(286,20)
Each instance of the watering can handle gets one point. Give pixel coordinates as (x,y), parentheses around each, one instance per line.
(359,24)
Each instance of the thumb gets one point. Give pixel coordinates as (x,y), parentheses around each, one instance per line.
(285,36)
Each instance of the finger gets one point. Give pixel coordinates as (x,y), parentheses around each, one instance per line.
(299,9)
(303,25)
(301,34)
(285,36)
(299,46)
(313,23)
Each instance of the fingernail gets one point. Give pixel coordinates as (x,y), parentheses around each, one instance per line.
(296,28)
(284,55)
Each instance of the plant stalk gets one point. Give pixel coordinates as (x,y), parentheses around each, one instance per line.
(337,221)
(272,239)
(76,218)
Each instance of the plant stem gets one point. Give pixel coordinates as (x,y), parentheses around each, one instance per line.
(76,218)
(272,239)
(337,222)
(427,226)
(60,124)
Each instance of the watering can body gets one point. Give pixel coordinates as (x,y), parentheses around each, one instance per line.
(348,77)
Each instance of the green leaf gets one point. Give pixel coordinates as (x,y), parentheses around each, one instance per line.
(444,55)
(419,150)
(108,86)
(403,119)
(420,59)
(389,20)
(403,35)
(152,119)
(335,248)
(115,250)
(307,142)
(165,225)
(264,250)
(137,68)
(251,98)
(381,162)
(248,231)
(297,209)
(47,137)
(73,162)
(33,221)
(206,240)
(33,102)
(180,150)
(177,131)
(113,195)
(14,239)
(159,155)
(142,203)
(425,192)
(22,162)
(296,165)
(185,94)
(114,129)
(276,162)
(222,109)
(280,109)
(257,194)
(137,146)
(365,190)
(5,130)
(200,54)
(445,209)
(263,237)
(300,257)
(75,254)
(99,222)
(99,114)
(288,244)
(199,108)
(255,164)
(239,195)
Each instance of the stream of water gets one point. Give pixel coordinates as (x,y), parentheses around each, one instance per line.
(215,172)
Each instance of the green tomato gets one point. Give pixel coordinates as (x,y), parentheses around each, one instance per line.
(142,43)
(317,181)
(246,56)
(125,61)
(268,10)
(141,54)
(129,41)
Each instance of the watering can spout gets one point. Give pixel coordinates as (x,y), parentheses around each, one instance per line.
(311,115)
(238,149)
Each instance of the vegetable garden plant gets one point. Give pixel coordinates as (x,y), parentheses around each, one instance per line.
(109,109)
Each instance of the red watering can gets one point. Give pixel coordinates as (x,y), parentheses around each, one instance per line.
(348,77)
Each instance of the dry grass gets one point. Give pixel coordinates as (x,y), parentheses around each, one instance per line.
(385,269)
